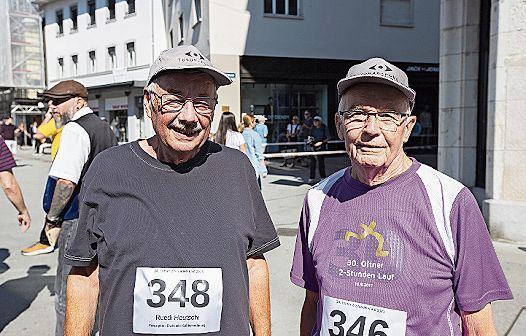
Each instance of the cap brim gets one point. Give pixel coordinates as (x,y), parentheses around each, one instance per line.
(345,83)
(220,78)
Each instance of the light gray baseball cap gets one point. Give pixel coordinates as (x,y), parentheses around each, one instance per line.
(377,70)
(186,57)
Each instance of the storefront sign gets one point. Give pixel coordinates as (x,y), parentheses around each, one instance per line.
(120,103)
(422,68)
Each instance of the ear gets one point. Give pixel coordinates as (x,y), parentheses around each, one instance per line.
(409,124)
(338,123)
(147,104)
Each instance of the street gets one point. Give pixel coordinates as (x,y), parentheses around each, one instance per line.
(26,283)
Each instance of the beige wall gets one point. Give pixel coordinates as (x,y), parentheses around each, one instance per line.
(229,96)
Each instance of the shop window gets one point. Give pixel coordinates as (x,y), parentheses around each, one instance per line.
(59,15)
(396,13)
(112,58)
(74,65)
(60,67)
(92,62)
(130,49)
(282,7)
(73,14)
(91,13)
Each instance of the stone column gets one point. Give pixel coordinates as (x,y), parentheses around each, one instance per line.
(505,207)
(458,79)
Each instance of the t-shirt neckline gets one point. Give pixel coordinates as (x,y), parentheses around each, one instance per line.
(395,181)
(181,168)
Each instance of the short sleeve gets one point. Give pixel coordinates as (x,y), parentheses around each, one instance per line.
(303,273)
(72,154)
(239,139)
(82,251)
(7,161)
(265,238)
(478,277)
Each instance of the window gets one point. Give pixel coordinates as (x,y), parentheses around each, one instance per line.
(91,12)
(198,15)
(111,8)
(282,7)
(130,47)
(60,67)
(396,13)
(60,21)
(74,65)
(181,29)
(92,62)
(112,58)
(73,14)
(131,6)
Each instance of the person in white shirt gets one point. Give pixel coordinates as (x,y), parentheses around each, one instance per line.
(227,133)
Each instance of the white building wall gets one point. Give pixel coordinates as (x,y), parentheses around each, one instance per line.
(326,29)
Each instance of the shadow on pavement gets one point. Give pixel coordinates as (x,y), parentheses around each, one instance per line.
(17,295)
(4,254)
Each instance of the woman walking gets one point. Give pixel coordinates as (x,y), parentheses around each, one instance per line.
(254,147)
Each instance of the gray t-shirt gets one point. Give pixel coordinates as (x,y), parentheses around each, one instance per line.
(137,212)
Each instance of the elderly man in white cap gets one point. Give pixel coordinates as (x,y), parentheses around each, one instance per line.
(158,243)
(390,246)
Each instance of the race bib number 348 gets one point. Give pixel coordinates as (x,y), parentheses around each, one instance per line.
(347,318)
(177,300)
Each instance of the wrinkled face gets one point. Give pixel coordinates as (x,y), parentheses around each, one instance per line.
(186,130)
(371,146)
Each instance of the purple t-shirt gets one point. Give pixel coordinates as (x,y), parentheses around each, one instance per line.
(406,255)
(6,157)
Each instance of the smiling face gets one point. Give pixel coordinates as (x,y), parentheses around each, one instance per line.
(370,146)
(184,131)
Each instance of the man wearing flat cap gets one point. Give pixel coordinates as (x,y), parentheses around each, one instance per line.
(159,246)
(390,246)
(83,137)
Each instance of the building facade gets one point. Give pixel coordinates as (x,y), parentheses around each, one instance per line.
(21,61)
(482,92)
(108,46)
(286,56)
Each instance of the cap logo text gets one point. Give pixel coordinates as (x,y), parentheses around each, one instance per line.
(194,54)
(380,67)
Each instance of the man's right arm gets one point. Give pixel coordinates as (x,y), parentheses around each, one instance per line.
(81,300)
(308,312)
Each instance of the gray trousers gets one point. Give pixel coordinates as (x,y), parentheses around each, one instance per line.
(65,239)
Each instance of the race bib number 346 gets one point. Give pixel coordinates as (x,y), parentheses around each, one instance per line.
(177,300)
(347,318)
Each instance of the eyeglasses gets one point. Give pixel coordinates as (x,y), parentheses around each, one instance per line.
(387,120)
(174,103)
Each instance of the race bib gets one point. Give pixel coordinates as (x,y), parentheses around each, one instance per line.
(347,318)
(177,300)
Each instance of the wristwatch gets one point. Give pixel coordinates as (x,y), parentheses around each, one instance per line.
(54,221)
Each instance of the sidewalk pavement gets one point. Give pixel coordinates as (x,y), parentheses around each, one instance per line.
(26,283)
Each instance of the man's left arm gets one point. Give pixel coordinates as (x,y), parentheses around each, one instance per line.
(479,323)
(63,192)
(259,295)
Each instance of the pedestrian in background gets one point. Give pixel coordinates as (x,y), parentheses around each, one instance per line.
(262,130)
(8,132)
(292,135)
(227,133)
(253,141)
(10,186)
(317,140)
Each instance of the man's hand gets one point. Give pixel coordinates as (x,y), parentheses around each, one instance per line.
(318,144)
(24,221)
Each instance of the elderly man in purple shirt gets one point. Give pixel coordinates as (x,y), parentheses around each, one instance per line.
(391,246)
